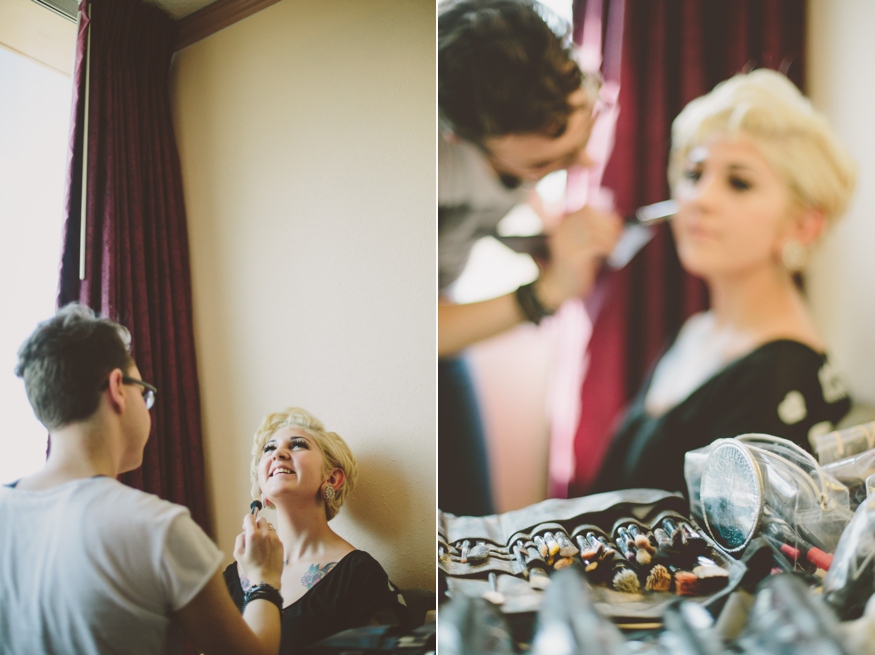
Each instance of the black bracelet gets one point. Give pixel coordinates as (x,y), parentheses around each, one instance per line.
(263,592)
(530,305)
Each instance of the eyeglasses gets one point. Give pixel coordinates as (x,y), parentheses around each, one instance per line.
(149,391)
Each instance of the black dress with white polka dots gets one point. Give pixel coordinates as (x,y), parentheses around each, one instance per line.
(783,388)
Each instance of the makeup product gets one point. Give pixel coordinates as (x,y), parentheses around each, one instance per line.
(588,555)
(663,542)
(658,579)
(657,212)
(641,555)
(552,544)
(566,548)
(624,578)
(538,578)
(686,583)
(623,545)
(479,553)
(608,553)
(712,577)
(466,545)
(562,562)
(542,547)
(518,554)
(494,596)
(641,539)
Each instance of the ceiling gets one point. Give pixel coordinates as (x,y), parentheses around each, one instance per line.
(179,8)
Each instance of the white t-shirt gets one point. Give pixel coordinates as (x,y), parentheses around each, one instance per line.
(472,200)
(93,566)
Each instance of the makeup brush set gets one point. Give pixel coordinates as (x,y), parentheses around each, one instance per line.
(636,550)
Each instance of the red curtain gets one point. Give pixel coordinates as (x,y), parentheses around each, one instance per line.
(672,52)
(136,242)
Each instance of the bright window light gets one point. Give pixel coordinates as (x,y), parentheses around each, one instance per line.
(34,132)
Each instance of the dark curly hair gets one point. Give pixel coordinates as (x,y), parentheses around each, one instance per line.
(65,361)
(503,68)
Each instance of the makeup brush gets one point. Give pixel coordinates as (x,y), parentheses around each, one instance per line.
(255,507)
(641,539)
(494,596)
(711,576)
(552,544)
(658,578)
(624,578)
(588,555)
(694,541)
(566,548)
(686,583)
(518,554)
(543,550)
(538,579)
(608,553)
(623,542)
(478,553)
(641,555)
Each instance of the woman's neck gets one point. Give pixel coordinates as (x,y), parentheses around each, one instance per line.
(761,307)
(304,532)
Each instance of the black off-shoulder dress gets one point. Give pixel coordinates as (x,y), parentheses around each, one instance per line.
(783,388)
(355,593)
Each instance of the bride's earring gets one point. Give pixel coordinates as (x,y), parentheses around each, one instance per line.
(328,492)
(793,256)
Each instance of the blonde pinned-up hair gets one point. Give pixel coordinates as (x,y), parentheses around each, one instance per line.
(335,453)
(791,136)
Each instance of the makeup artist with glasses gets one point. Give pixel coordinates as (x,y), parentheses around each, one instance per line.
(513,107)
(89,565)
(759,177)
(305,473)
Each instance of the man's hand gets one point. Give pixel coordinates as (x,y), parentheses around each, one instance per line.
(259,552)
(578,246)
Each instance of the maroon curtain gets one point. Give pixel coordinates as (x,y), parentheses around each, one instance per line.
(672,51)
(136,242)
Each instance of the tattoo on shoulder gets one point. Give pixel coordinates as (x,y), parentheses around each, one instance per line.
(244,582)
(315,573)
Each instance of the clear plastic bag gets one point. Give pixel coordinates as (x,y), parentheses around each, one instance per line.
(841,444)
(761,484)
(851,578)
(853,472)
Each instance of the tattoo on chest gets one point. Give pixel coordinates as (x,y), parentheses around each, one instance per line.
(244,582)
(315,573)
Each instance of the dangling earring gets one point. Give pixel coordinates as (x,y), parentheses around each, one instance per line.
(328,492)
(793,256)
(264,501)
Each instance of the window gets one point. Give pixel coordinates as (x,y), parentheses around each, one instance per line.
(34,133)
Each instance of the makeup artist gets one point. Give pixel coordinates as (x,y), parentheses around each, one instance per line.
(89,565)
(759,177)
(306,473)
(513,106)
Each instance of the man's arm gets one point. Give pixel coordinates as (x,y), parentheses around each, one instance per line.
(213,623)
(577,248)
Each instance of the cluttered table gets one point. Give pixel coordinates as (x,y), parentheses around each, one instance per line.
(770,551)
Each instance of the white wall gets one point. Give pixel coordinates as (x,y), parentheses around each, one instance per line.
(307,140)
(840,82)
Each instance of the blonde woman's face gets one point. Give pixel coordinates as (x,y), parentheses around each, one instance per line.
(735,212)
(291,466)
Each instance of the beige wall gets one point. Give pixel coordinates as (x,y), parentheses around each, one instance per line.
(840,55)
(307,139)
